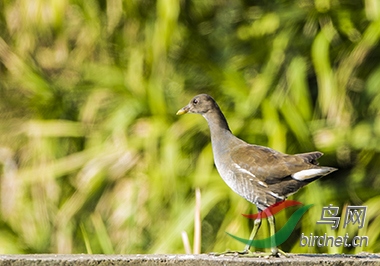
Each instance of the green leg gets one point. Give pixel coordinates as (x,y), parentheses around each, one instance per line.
(246,250)
(256,227)
(247,253)
(272,229)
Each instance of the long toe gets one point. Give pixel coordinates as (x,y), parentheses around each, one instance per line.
(276,252)
(230,253)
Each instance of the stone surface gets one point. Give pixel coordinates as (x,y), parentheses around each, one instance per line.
(295,259)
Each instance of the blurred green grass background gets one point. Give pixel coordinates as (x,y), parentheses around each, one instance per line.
(94,160)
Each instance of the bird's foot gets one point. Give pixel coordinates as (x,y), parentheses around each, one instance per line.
(275,252)
(230,253)
(279,252)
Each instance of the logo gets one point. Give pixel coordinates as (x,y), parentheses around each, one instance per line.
(354,215)
(281,235)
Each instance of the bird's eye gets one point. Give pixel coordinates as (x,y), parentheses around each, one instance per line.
(195,101)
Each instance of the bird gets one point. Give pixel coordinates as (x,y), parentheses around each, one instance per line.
(261,175)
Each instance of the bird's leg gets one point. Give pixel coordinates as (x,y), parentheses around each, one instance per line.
(272,230)
(247,253)
(256,226)
(274,250)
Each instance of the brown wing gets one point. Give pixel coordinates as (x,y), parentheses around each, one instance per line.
(310,157)
(269,165)
(273,172)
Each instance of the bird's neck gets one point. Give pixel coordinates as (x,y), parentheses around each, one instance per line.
(218,126)
(221,137)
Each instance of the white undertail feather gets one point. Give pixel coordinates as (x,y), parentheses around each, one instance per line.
(310,173)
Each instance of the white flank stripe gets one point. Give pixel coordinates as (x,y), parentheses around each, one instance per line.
(307,174)
(262,184)
(256,198)
(244,170)
(275,195)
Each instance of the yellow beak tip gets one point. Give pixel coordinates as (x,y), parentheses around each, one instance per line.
(181,112)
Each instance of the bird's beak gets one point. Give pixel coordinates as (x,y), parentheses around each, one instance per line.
(182,111)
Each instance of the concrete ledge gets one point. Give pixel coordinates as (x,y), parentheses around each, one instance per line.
(296,259)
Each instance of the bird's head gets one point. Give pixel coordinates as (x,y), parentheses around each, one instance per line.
(200,104)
